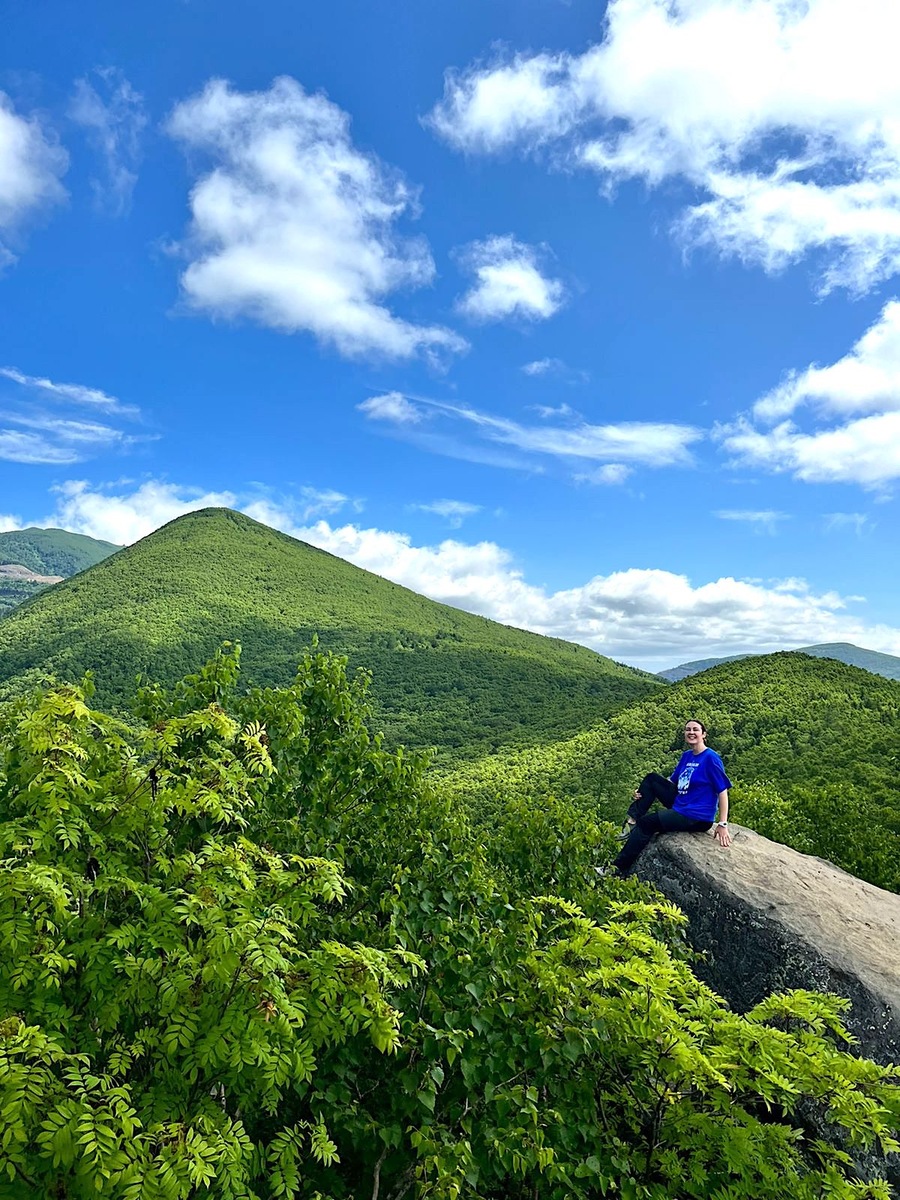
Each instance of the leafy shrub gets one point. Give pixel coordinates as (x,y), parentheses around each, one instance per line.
(248,952)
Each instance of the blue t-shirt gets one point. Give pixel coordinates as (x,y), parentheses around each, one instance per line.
(700,778)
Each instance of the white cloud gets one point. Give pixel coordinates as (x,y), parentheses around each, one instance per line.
(865,451)
(864,381)
(392,406)
(509,282)
(655,444)
(454,512)
(8,523)
(649,617)
(766,519)
(29,435)
(54,440)
(784,113)
(75,392)
(114,121)
(293,226)
(124,518)
(611,475)
(548,411)
(543,366)
(31,164)
(851,410)
(837,521)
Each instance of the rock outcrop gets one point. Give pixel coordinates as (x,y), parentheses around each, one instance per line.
(769,919)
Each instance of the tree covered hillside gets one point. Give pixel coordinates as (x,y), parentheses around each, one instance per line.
(53,552)
(812,745)
(246,953)
(845,652)
(442,677)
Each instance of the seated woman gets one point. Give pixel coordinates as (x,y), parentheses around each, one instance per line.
(694,799)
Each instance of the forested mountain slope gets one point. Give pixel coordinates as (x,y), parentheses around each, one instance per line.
(812,745)
(887,665)
(442,677)
(46,553)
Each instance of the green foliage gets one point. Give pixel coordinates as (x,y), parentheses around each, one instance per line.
(44,552)
(249,952)
(823,736)
(443,678)
(161,989)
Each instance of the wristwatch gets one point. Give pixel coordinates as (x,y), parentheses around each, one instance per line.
(722,824)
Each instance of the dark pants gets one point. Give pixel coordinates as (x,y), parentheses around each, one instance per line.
(647,824)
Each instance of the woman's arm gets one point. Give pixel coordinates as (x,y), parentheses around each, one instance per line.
(721,830)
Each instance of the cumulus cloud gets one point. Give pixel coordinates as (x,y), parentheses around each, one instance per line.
(784,113)
(834,424)
(294,227)
(31,163)
(454,512)
(509,282)
(8,523)
(649,617)
(865,451)
(127,516)
(864,381)
(655,444)
(114,117)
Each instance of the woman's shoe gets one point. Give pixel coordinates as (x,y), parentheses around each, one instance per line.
(626,829)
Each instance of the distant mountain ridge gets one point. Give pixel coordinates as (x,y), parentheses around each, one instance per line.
(45,556)
(442,677)
(887,665)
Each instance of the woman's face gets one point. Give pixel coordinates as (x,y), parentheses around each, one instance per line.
(693,735)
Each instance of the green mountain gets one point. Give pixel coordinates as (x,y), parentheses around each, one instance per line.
(442,677)
(812,746)
(855,656)
(32,559)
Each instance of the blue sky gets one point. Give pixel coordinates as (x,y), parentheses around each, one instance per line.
(577,315)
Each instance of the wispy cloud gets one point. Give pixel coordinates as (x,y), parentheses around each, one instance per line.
(294,227)
(548,411)
(30,433)
(857,523)
(509,281)
(454,512)
(76,393)
(114,117)
(655,444)
(556,367)
(766,520)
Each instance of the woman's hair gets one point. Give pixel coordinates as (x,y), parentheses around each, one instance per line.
(695,721)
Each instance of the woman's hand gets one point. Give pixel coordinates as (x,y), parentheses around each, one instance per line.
(636,795)
(722,836)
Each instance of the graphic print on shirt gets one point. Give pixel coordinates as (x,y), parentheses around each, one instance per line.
(684,779)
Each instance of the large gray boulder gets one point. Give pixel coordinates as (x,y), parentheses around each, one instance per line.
(769,919)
